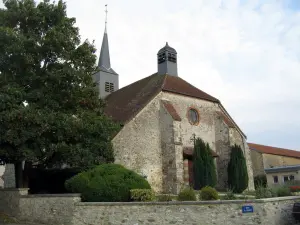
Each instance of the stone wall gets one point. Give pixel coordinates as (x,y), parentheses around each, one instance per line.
(68,210)
(278,160)
(168,151)
(152,142)
(257,163)
(48,209)
(8,176)
(9,200)
(276,212)
(138,145)
(223,150)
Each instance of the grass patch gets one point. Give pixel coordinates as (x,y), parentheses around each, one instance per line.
(4,218)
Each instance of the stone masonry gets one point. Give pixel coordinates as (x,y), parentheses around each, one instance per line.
(66,209)
(152,142)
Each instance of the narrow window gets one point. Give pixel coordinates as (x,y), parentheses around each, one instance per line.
(106,86)
(111,87)
(275,179)
(292,177)
(285,179)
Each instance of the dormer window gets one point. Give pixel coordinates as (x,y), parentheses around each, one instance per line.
(172,57)
(109,87)
(161,58)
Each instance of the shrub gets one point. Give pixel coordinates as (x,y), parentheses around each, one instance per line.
(262,192)
(142,195)
(260,181)
(237,170)
(203,165)
(164,198)
(282,191)
(106,183)
(230,195)
(209,193)
(187,194)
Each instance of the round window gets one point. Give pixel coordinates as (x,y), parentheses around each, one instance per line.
(193,116)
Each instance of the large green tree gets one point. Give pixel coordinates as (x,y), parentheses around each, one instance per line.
(203,165)
(50,112)
(237,170)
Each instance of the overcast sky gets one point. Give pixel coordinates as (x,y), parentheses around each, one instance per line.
(245,53)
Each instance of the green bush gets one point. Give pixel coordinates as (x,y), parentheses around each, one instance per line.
(237,170)
(263,192)
(164,198)
(209,193)
(106,183)
(142,195)
(282,191)
(260,181)
(187,194)
(229,195)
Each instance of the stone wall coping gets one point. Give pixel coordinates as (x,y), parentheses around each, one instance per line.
(52,196)
(216,202)
(278,199)
(13,189)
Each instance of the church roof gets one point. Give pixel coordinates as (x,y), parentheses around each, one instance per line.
(274,150)
(124,104)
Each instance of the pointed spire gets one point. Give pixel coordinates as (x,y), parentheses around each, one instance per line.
(104,60)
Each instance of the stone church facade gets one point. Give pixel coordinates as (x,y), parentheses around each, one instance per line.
(159,116)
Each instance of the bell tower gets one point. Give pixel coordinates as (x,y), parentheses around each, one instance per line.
(167,61)
(107,79)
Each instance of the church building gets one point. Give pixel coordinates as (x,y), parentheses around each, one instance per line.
(160,114)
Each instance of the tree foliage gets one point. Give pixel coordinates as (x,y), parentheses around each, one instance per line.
(203,165)
(44,64)
(237,170)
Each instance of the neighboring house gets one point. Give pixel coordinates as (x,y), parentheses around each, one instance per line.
(278,164)
(160,114)
(282,174)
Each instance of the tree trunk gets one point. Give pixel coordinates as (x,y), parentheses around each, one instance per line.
(19,174)
(26,171)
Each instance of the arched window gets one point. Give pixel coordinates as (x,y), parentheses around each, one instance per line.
(193,116)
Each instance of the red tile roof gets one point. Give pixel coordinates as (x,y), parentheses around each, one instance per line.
(171,110)
(124,104)
(274,150)
(190,150)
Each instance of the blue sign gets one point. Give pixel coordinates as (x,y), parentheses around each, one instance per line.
(247,209)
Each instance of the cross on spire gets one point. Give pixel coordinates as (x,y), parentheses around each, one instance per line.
(106,18)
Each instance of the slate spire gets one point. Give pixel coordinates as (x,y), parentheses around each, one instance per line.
(106,79)
(104,60)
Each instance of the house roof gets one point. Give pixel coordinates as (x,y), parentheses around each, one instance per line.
(283,169)
(124,104)
(274,150)
(171,110)
(190,150)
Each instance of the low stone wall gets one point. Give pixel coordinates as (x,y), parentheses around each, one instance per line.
(48,208)
(270,212)
(67,209)
(9,200)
